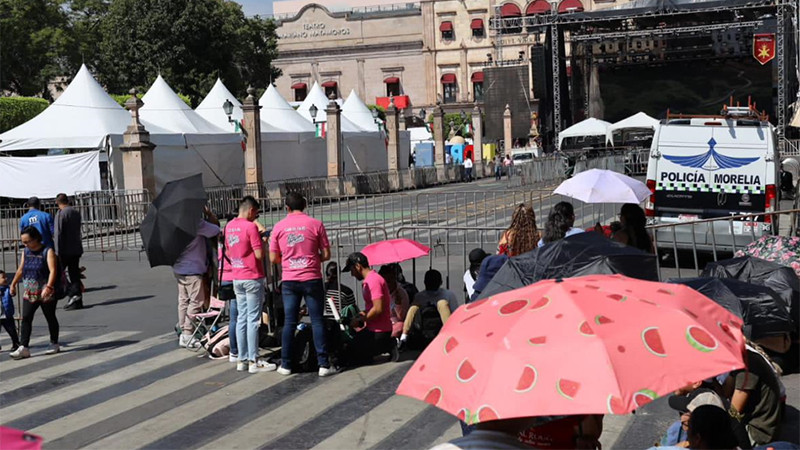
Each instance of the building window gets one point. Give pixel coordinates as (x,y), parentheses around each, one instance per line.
(393,89)
(477,28)
(447,31)
(331,88)
(449,87)
(477,88)
(300,91)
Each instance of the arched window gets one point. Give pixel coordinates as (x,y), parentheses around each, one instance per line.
(568,6)
(538,7)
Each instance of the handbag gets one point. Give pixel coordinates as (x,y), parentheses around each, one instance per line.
(224,289)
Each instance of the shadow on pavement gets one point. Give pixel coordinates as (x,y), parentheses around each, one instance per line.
(119,300)
(100,288)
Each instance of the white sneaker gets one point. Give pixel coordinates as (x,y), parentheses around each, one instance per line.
(241,366)
(328,371)
(183,340)
(20,353)
(262,365)
(53,349)
(284,371)
(233,358)
(193,344)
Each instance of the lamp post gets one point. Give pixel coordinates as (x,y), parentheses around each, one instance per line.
(228,108)
(313,111)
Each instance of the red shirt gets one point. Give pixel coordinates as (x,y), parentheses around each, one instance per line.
(241,240)
(298,239)
(374,287)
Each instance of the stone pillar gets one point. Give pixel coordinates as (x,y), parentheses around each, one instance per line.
(507,136)
(137,152)
(333,138)
(402,123)
(393,135)
(477,141)
(438,136)
(251,127)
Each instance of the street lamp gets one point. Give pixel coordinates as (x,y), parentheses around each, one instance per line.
(313,111)
(228,108)
(422,114)
(463,116)
(375,115)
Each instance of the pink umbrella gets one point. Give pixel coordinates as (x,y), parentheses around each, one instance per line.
(393,251)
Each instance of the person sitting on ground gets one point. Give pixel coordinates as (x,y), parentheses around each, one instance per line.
(409,287)
(559,224)
(489,267)
(374,326)
(500,434)
(8,310)
(476,257)
(433,295)
(633,232)
(342,295)
(686,404)
(522,235)
(709,428)
(399,298)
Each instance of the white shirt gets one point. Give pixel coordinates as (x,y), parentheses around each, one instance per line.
(468,163)
(469,283)
(570,232)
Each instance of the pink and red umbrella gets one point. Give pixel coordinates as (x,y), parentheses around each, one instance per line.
(590,345)
(393,251)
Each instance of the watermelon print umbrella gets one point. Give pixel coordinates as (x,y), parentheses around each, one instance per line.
(597,344)
(783,250)
(394,250)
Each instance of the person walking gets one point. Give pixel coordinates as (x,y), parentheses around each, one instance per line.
(37,271)
(42,221)
(8,311)
(69,248)
(498,168)
(300,244)
(509,165)
(468,168)
(190,270)
(243,245)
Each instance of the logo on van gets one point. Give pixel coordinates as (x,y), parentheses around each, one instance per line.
(710,160)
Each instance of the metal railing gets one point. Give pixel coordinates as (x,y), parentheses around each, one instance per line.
(789,147)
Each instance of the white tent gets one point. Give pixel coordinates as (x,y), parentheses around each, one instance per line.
(317,98)
(211,107)
(588,127)
(278,115)
(639,120)
(357,112)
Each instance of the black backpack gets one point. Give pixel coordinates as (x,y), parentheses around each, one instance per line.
(427,324)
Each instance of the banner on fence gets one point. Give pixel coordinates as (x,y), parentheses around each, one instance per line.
(47,176)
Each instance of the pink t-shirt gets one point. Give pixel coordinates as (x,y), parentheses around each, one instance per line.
(374,286)
(298,239)
(242,239)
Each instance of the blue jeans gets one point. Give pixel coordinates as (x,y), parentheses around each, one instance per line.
(249,298)
(232,327)
(314,293)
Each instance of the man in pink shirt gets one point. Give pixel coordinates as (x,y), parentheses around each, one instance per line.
(244,251)
(300,244)
(376,337)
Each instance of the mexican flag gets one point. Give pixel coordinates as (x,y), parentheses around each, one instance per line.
(320,133)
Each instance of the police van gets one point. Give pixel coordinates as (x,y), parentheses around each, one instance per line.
(706,167)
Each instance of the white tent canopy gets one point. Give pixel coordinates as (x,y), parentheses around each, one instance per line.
(317,98)
(211,107)
(639,120)
(278,115)
(588,127)
(357,112)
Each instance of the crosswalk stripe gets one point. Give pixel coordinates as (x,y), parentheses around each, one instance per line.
(362,433)
(59,428)
(311,403)
(450,434)
(8,385)
(163,424)
(92,385)
(427,425)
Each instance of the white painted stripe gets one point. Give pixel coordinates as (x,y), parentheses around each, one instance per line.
(80,363)
(274,424)
(110,408)
(171,421)
(371,428)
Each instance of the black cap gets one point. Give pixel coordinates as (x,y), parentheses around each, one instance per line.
(355,258)
(476,256)
(33,202)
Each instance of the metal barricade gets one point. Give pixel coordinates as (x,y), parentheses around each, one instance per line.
(111,219)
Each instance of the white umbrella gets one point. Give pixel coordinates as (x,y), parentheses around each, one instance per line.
(603,186)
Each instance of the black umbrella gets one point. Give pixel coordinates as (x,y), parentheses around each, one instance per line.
(171,222)
(581,254)
(762,310)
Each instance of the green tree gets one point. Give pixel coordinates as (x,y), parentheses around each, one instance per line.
(34,38)
(189,42)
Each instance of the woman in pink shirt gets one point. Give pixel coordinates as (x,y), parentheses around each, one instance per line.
(399,298)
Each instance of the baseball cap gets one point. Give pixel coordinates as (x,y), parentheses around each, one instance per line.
(700,397)
(33,202)
(353,259)
(476,256)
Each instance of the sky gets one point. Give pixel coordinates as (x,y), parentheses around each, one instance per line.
(253,7)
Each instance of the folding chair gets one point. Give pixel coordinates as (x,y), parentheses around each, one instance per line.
(216,309)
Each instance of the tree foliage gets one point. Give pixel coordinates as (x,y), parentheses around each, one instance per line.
(15,111)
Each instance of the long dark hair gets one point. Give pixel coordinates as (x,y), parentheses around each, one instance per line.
(522,235)
(559,221)
(634,222)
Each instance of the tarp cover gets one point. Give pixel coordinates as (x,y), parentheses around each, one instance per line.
(580,254)
(761,308)
(51,175)
(749,269)
(211,107)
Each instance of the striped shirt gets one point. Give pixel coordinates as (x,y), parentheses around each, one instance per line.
(341,298)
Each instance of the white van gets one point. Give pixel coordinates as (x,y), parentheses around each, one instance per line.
(704,167)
